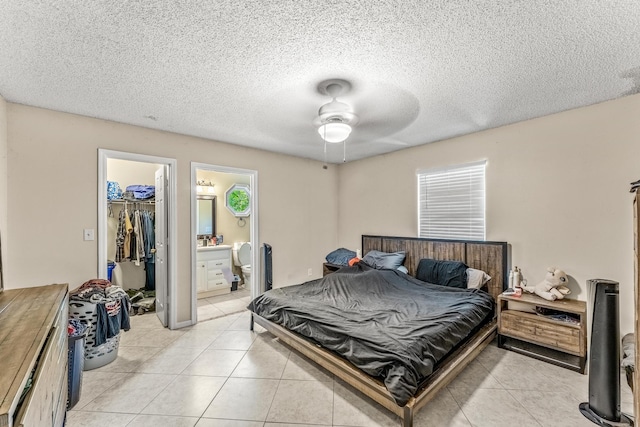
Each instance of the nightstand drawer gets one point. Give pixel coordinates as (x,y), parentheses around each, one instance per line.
(535,329)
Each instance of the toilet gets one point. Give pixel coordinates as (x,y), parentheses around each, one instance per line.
(242,258)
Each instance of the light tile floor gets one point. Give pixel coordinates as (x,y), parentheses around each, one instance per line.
(218,373)
(222,305)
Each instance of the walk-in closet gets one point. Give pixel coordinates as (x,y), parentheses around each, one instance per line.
(131,227)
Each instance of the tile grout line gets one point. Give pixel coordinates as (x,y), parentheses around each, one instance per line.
(276,392)
(225,381)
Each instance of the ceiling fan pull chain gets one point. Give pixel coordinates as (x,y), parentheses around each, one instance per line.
(344,151)
(325,155)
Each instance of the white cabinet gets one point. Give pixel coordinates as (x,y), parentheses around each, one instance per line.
(213,265)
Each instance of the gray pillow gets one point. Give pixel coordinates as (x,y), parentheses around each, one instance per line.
(340,256)
(476,279)
(384,260)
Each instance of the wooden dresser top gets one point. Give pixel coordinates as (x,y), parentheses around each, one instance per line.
(26,316)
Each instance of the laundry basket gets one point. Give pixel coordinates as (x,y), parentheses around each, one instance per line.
(75,346)
(94,357)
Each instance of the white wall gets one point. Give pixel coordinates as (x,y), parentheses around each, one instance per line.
(126,172)
(53,195)
(557,191)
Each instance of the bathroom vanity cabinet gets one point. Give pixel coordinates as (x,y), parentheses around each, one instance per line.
(211,262)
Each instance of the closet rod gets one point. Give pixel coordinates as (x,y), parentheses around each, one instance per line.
(122,201)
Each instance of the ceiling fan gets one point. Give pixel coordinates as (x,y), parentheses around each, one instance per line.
(336,119)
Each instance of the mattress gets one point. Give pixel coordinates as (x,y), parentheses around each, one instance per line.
(388,324)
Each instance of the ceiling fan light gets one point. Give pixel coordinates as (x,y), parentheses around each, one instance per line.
(334,132)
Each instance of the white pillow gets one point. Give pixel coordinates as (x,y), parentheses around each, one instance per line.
(476,278)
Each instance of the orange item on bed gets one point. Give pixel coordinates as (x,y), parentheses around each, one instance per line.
(353,261)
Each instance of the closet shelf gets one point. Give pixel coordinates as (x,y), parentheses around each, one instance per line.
(123,201)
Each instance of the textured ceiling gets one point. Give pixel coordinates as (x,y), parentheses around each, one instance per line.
(246,72)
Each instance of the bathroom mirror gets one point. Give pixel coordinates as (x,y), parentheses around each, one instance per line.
(238,200)
(206,216)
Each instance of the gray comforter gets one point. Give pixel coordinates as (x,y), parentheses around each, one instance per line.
(387,323)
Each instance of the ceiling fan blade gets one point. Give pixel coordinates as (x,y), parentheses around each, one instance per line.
(391,142)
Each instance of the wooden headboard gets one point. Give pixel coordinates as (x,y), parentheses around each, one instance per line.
(490,257)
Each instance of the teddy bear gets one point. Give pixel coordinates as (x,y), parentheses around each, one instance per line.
(552,287)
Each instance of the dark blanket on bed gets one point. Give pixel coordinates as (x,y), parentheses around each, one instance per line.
(387,323)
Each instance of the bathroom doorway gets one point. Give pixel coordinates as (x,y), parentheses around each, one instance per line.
(224,240)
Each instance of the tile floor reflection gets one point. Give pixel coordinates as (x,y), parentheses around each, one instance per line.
(222,305)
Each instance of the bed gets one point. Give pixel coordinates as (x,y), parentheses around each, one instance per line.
(362,325)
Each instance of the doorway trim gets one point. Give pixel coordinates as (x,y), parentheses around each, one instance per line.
(253,233)
(172,274)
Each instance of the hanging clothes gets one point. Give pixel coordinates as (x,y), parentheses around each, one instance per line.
(135,239)
(128,227)
(139,246)
(148,227)
(120,236)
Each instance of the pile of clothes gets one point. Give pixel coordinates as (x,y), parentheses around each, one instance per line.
(131,193)
(112,307)
(142,300)
(76,328)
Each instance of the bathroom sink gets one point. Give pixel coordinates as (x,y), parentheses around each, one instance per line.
(213,247)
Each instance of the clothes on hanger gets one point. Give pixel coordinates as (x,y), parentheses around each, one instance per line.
(148,227)
(138,247)
(128,228)
(120,237)
(135,240)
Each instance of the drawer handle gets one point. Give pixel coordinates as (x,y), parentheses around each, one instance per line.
(218,274)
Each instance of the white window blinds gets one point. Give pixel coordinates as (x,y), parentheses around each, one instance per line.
(452,202)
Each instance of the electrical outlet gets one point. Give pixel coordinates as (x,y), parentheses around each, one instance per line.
(310,272)
(88,234)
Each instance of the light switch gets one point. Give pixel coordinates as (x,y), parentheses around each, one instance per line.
(88,234)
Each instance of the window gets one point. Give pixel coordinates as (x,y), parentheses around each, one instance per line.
(238,200)
(451,202)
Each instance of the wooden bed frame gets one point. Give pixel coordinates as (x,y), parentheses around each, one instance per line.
(490,257)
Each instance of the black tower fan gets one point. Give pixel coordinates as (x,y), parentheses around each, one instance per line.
(267,267)
(603,407)
(266,281)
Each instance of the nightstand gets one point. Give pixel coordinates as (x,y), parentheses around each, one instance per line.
(328,268)
(555,341)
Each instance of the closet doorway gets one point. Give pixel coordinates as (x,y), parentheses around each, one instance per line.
(225,268)
(149,271)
